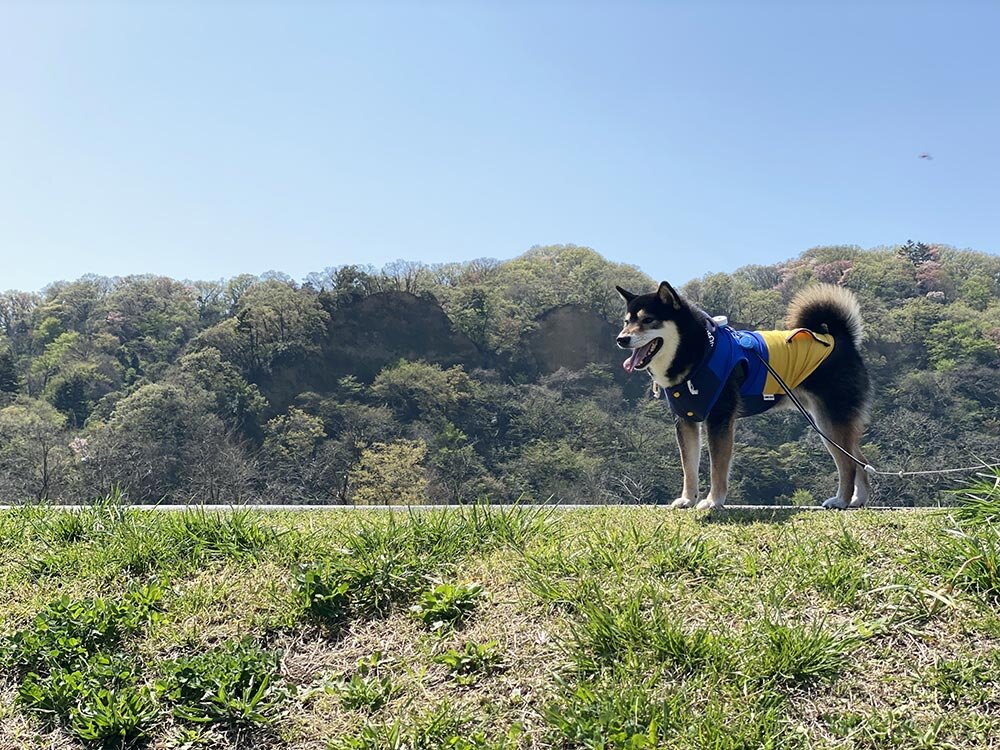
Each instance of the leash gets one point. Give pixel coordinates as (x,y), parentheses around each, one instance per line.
(863,464)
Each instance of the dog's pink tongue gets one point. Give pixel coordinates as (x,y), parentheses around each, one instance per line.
(629,364)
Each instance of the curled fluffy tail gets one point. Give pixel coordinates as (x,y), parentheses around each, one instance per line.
(825,307)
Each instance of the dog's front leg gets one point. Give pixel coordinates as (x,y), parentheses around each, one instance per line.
(689,442)
(720,452)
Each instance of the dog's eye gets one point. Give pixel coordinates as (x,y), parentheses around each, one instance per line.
(647,321)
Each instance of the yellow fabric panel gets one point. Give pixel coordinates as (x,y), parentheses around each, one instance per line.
(794,355)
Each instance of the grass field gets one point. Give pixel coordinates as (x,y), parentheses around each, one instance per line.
(477,628)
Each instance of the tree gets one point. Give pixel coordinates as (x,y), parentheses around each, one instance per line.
(354,427)
(418,390)
(158,439)
(210,301)
(151,306)
(345,284)
(456,467)
(917,252)
(236,287)
(153,315)
(34,458)
(237,402)
(735,297)
(474,312)
(391,474)
(275,321)
(9,380)
(72,393)
(295,435)
(76,305)
(66,348)
(555,470)
(882,279)
(405,275)
(74,371)
(16,312)
(301,464)
(951,342)
(977,291)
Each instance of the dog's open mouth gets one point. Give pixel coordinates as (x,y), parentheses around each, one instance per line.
(642,356)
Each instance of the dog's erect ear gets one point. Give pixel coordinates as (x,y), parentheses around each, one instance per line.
(668,296)
(627,296)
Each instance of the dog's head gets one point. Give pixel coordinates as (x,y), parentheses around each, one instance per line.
(651,325)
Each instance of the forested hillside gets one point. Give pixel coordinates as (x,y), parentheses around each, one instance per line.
(461,382)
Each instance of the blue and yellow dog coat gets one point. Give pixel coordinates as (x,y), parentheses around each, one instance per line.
(794,355)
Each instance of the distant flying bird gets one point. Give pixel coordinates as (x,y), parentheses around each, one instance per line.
(926,156)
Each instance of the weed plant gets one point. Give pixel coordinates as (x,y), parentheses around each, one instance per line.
(236,685)
(474,661)
(447,605)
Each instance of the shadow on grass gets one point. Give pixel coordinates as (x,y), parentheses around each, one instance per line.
(744,516)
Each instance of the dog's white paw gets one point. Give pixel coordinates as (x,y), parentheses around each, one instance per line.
(837,503)
(710,504)
(858,502)
(683,502)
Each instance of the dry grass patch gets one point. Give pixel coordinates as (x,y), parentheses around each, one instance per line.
(226,600)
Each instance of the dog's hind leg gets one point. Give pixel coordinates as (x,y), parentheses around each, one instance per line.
(847,470)
(720,451)
(689,442)
(862,483)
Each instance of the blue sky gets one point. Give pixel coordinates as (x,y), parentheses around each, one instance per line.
(206,139)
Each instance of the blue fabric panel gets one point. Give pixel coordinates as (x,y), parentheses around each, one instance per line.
(695,397)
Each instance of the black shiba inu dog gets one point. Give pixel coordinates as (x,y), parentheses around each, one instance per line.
(710,373)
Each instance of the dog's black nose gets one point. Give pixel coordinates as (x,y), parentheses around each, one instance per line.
(623,341)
